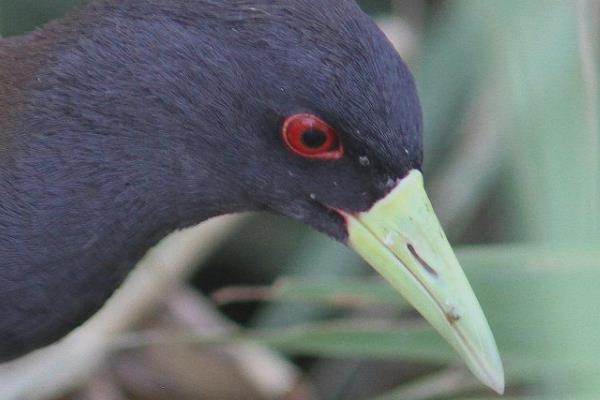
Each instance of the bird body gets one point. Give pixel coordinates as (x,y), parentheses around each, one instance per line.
(130,119)
(107,119)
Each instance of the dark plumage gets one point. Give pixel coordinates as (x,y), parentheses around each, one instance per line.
(130,119)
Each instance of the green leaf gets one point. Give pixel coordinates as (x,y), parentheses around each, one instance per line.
(362,339)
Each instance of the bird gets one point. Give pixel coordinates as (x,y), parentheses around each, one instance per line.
(128,120)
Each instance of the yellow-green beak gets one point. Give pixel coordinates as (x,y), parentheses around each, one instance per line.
(402,239)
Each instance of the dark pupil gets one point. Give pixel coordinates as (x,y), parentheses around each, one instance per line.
(313,138)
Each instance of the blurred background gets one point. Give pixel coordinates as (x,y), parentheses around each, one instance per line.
(268,309)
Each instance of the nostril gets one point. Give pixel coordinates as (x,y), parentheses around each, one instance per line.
(452,316)
(423,263)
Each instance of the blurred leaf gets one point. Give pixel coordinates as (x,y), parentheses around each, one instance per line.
(445,78)
(439,385)
(553,172)
(356,338)
(524,397)
(362,339)
(20,16)
(535,298)
(315,257)
(342,292)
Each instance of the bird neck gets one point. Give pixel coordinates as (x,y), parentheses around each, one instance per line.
(96,167)
(120,132)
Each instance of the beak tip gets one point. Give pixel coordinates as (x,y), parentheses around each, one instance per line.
(494,379)
(489,370)
(498,386)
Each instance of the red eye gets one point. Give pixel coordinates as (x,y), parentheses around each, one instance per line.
(309,136)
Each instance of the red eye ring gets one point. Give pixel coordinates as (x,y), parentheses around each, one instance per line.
(309,136)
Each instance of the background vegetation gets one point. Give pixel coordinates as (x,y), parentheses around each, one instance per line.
(510,95)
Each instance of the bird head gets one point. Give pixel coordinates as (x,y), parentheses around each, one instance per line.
(323,114)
